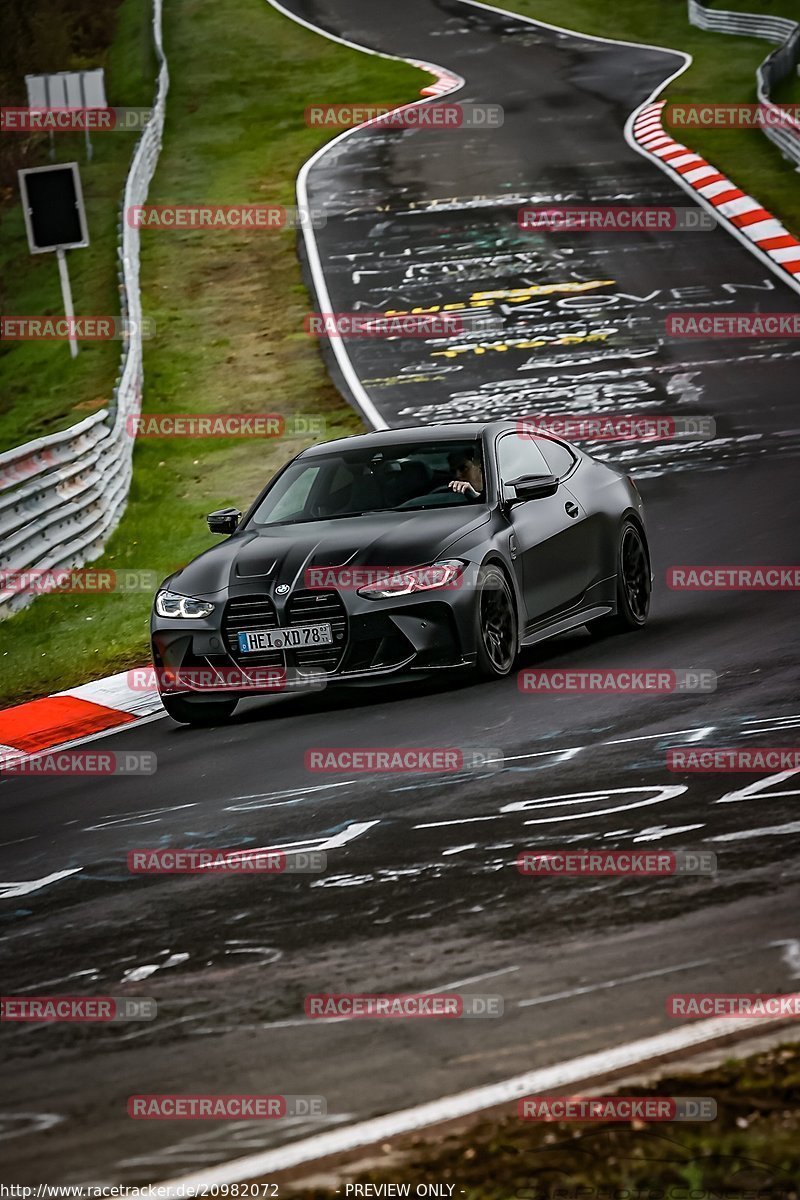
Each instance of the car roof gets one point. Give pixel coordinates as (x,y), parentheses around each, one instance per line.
(463,431)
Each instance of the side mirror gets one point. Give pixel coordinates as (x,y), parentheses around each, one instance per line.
(534,487)
(224,520)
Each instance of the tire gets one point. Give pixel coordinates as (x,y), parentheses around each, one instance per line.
(633,585)
(495,625)
(198,712)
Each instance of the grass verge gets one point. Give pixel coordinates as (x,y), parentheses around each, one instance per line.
(41,388)
(723,70)
(228,310)
(751,1149)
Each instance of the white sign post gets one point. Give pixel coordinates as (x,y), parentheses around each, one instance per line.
(55,219)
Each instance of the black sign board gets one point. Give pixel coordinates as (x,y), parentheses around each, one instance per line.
(52,202)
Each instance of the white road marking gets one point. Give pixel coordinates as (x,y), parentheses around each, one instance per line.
(661,831)
(666,792)
(446,987)
(753,790)
(276,799)
(767,831)
(61,979)
(134,818)
(25,887)
(331,842)
(536,1082)
(32,1123)
(566,755)
(791,957)
(614,983)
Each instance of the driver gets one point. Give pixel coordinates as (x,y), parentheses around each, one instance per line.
(468,474)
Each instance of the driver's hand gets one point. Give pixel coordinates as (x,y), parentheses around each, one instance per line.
(461,485)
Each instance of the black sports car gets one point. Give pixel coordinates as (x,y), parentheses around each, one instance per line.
(402,552)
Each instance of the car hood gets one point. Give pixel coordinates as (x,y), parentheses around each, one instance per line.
(282,553)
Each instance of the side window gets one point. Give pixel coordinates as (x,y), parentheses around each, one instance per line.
(558,457)
(520,455)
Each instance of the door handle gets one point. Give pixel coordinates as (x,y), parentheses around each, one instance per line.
(571,509)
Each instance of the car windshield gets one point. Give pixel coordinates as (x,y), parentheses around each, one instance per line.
(375,479)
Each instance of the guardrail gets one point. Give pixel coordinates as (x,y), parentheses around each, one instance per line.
(780,127)
(62,496)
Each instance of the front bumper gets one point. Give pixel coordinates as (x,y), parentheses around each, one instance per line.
(373,640)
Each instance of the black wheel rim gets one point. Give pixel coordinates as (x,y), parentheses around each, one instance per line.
(635,575)
(497,626)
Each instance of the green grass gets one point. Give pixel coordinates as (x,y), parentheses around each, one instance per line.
(41,388)
(723,70)
(228,310)
(751,1149)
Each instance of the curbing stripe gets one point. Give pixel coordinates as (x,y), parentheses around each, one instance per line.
(81,712)
(115,692)
(42,724)
(740,213)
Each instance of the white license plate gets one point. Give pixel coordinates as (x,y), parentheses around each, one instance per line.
(296,637)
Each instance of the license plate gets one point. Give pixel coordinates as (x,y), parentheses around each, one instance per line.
(294,638)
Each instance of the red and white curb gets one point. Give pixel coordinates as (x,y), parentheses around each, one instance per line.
(445,82)
(731,206)
(84,712)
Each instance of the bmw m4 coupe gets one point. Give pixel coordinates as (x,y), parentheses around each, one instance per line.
(399,553)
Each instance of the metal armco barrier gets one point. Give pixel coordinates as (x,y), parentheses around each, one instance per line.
(62,496)
(775,67)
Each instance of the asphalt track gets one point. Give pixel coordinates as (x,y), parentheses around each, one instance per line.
(421,891)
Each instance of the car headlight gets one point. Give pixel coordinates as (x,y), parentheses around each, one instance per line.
(444,574)
(170,604)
